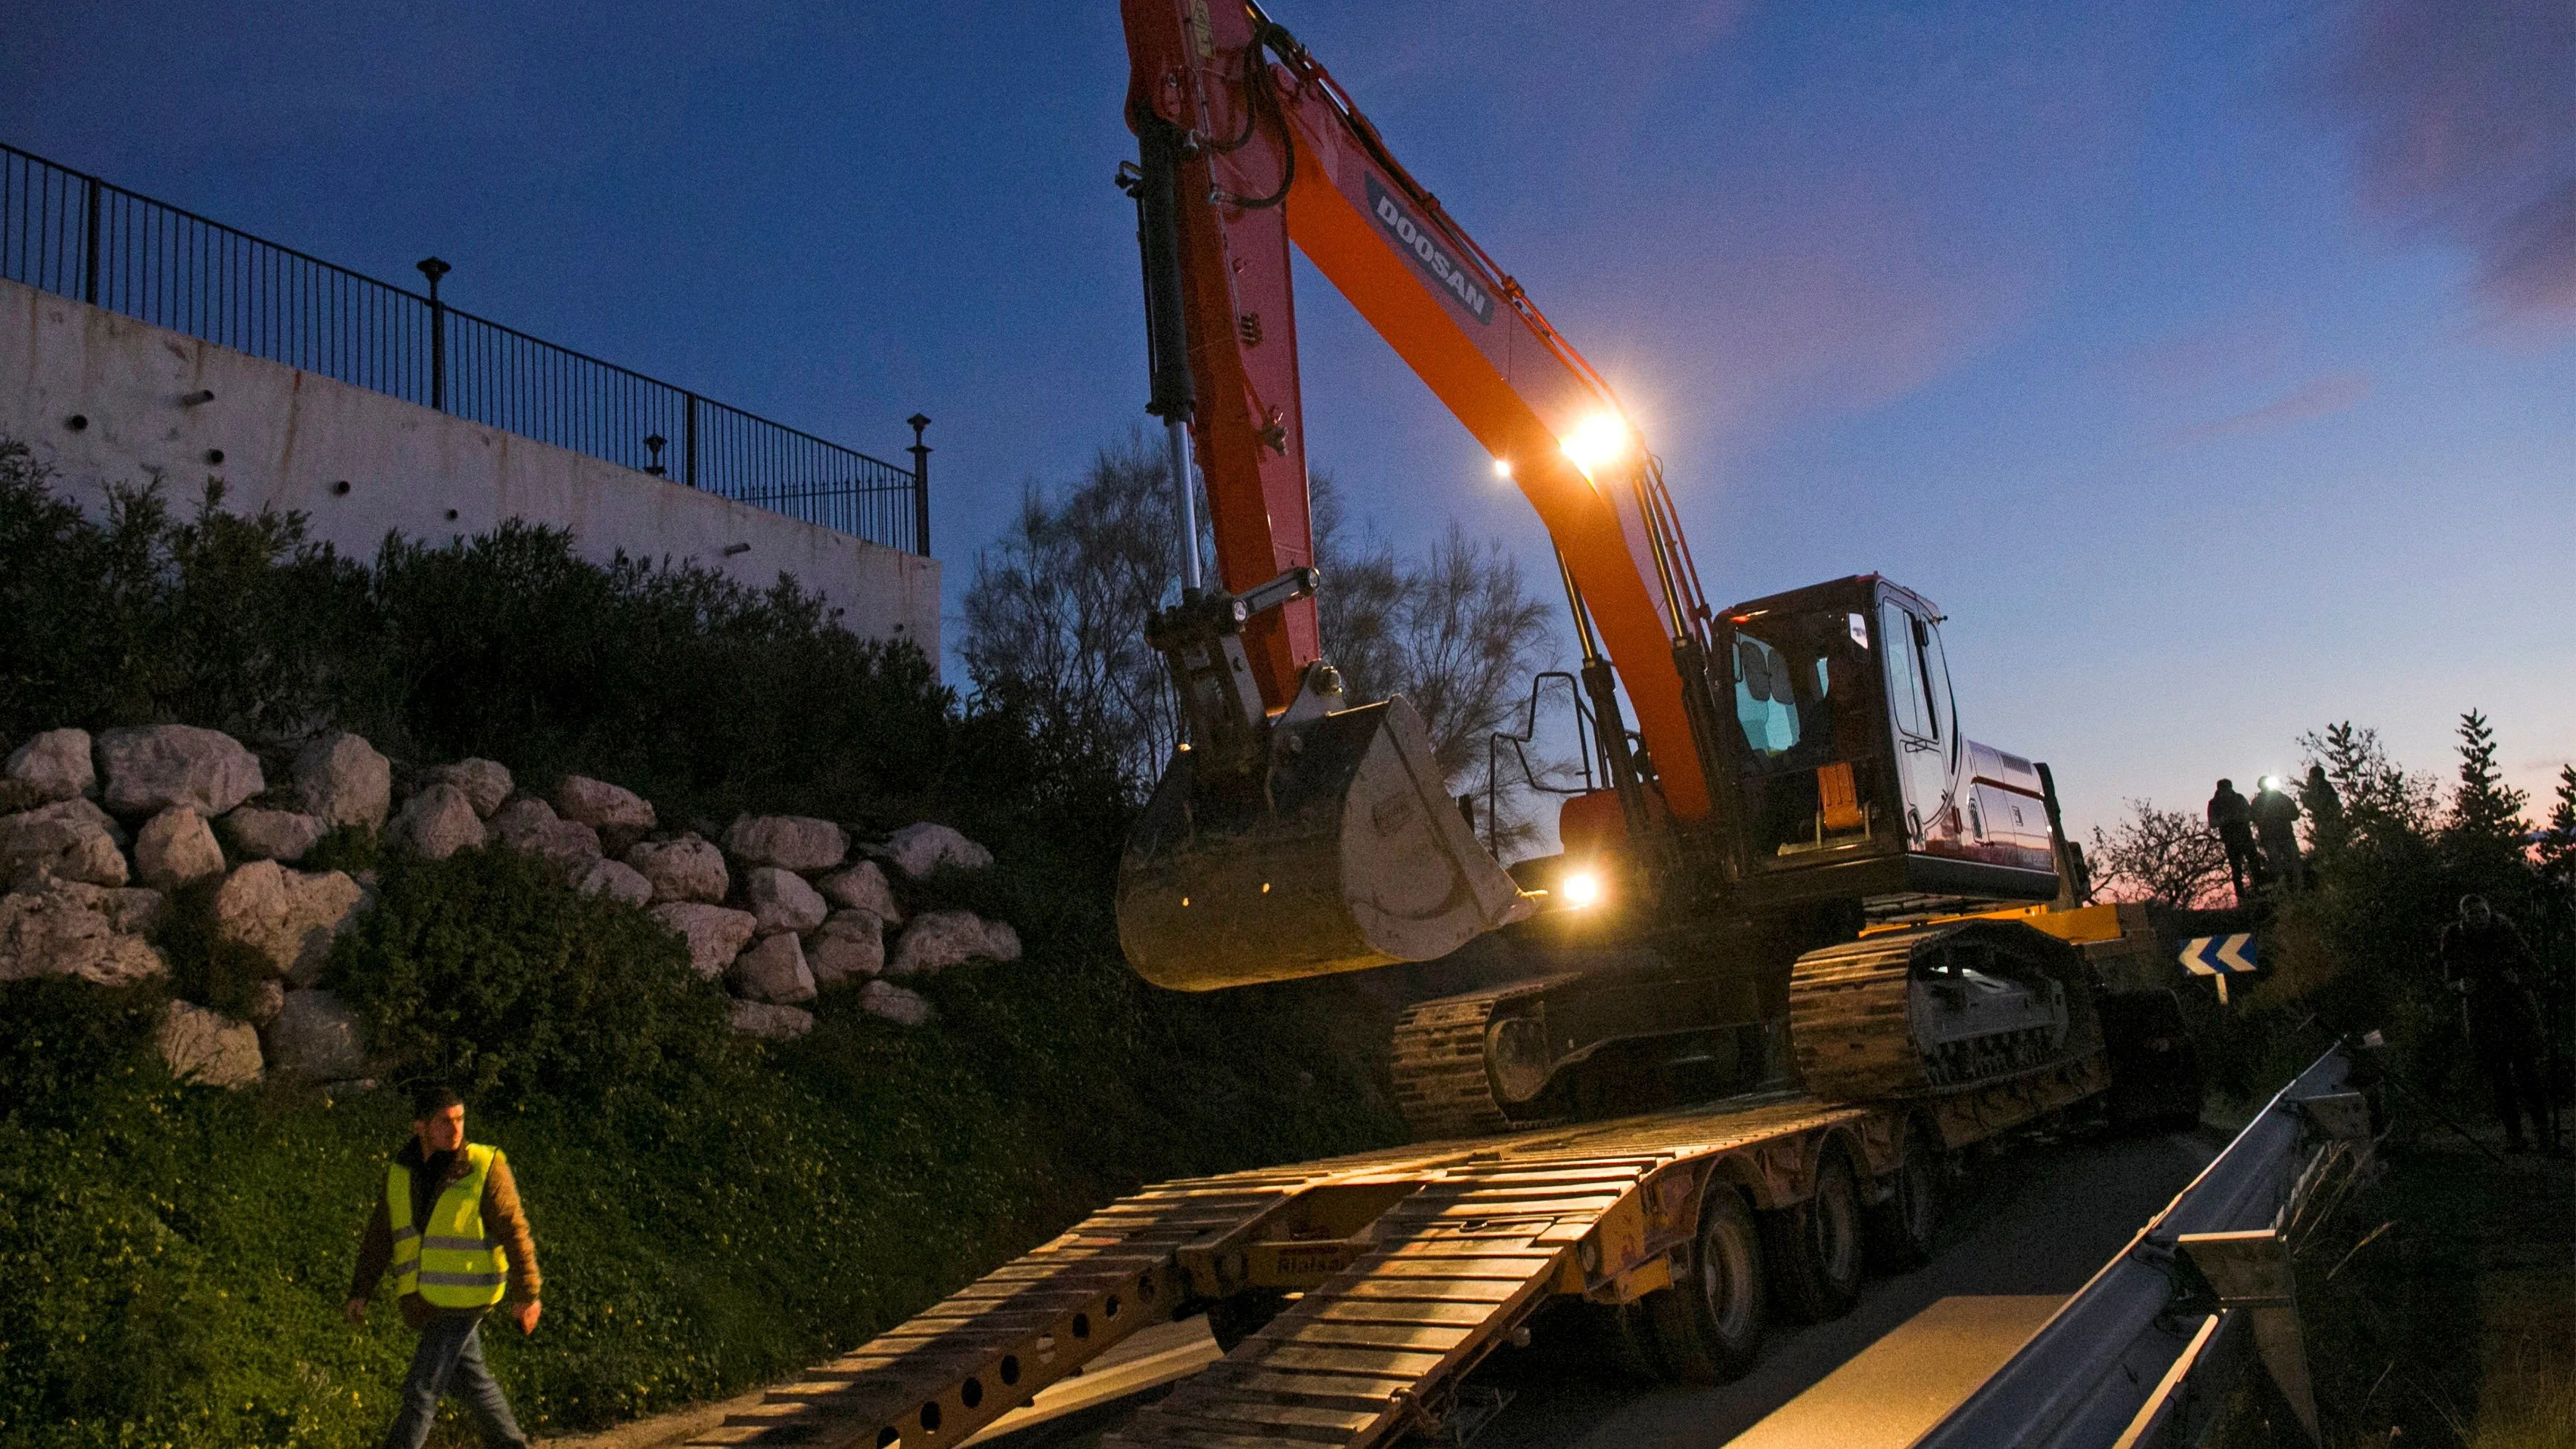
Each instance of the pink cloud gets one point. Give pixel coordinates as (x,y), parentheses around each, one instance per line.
(2463,117)
(2329,394)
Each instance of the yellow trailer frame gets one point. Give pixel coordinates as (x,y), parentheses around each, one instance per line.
(1409,1265)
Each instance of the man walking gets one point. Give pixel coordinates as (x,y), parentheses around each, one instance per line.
(2276,826)
(2486,961)
(2233,819)
(449,1227)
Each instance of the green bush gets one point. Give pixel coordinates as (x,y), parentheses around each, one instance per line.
(485,972)
(705,696)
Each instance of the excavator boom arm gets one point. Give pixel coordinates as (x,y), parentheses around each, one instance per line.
(1268,151)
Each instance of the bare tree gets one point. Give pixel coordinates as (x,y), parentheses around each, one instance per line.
(2159,855)
(1457,633)
(1058,608)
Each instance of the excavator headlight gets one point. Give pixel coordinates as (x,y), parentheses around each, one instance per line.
(1502,467)
(1597,441)
(1582,888)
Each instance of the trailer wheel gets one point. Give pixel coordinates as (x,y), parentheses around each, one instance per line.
(1708,1327)
(1899,1232)
(1815,1247)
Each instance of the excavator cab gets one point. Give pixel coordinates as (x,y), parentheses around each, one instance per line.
(1852,776)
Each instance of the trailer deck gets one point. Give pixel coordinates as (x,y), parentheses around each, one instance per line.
(1407,1266)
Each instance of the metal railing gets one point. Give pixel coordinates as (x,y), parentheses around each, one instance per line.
(2145,1355)
(70,233)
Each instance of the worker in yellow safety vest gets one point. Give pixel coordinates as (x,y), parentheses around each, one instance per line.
(448,1226)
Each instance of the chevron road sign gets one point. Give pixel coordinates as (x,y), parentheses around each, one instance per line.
(2213,955)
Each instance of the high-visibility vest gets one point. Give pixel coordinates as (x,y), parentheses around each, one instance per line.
(449,1261)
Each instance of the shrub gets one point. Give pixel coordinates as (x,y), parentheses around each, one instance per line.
(486,972)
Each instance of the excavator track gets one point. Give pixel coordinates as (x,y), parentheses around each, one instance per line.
(1853,1029)
(1442,1083)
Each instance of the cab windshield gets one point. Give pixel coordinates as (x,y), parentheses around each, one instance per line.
(1805,702)
(1795,674)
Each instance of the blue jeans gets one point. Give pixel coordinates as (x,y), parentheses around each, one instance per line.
(450,1359)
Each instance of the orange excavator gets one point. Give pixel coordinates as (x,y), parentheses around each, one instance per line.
(1790,850)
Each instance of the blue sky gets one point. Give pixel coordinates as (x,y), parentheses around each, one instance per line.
(2214,366)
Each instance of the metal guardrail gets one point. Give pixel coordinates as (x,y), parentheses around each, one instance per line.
(2146,1353)
(72,234)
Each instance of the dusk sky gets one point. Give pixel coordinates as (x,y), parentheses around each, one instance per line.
(2213,366)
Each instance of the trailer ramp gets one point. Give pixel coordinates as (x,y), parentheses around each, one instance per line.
(1417,1262)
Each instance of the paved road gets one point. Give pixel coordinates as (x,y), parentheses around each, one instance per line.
(2038,1219)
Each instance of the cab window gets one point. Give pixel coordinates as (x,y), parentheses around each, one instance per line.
(1905,693)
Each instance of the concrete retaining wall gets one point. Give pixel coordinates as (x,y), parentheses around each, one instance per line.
(360,464)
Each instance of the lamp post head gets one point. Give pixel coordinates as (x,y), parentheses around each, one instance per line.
(433,268)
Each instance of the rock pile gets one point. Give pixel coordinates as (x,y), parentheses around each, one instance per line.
(96,833)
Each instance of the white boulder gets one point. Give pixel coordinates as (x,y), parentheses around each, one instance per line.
(918,850)
(288,917)
(686,869)
(618,882)
(850,947)
(69,839)
(280,835)
(153,767)
(437,823)
(782,900)
(770,1022)
(715,935)
(863,887)
(619,815)
(67,928)
(532,827)
(343,781)
(176,848)
(316,1038)
(773,970)
(132,909)
(486,783)
(267,999)
(790,842)
(937,940)
(53,766)
(895,1004)
(207,1047)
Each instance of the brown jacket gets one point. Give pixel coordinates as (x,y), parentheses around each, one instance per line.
(502,1218)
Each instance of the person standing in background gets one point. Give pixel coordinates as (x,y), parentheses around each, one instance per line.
(2233,819)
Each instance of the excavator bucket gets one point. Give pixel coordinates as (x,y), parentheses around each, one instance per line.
(1345,852)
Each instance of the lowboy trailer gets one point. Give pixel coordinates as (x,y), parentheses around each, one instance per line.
(1395,1272)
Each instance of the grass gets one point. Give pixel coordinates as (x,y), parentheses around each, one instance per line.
(177,1255)
(2440,1307)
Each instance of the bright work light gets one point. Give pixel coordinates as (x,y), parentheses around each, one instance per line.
(1582,888)
(1502,467)
(1598,440)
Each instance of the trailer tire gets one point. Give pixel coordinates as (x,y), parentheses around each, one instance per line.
(1900,1233)
(1708,1327)
(1815,1246)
